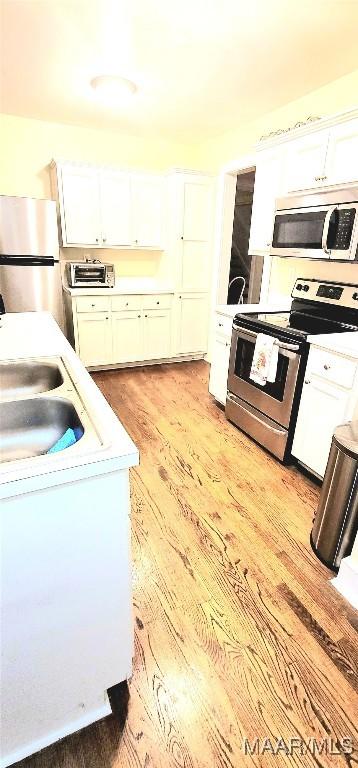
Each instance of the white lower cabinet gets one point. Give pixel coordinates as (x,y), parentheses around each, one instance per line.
(156,334)
(127,337)
(219,368)
(94,338)
(328,399)
(192,323)
(136,328)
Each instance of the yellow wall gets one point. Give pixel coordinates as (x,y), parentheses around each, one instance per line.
(337,96)
(285,271)
(27,147)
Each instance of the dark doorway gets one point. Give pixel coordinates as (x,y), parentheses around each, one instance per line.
(240,264)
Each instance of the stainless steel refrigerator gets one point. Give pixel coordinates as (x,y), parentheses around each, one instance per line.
(30,278)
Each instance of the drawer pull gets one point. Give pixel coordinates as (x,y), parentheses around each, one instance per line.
(157,302)
(307,381)
(220,325)
(326,367)
(93,305)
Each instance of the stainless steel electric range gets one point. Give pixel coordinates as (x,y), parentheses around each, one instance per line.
(269,413)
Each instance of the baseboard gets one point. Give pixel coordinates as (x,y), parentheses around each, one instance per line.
(51,738)
(141,363)
(346,581)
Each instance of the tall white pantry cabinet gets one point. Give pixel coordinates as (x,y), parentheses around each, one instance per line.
(190,244)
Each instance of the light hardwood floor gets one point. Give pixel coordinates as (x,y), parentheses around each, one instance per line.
(238,633)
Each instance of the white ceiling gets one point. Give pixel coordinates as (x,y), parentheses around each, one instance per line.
(201,66)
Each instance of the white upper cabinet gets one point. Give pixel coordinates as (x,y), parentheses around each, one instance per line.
(342,153)
(79,207)
(147,211)
(323,158)
(305,162)
(268,185)
(106,208)
(191,229)
(196,209)
(115,199)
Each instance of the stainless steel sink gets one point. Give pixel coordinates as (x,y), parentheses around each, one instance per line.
(31,427)
(28,377)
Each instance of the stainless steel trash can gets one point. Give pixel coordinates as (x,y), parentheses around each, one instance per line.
(336,520)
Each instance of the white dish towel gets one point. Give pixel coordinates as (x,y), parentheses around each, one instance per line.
(265,359)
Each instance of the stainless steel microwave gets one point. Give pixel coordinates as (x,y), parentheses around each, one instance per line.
(90,274)
(320,224)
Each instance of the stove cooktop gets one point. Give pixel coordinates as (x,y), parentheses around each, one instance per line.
(293,324)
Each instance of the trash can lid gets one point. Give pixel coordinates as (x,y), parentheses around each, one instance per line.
(346,435)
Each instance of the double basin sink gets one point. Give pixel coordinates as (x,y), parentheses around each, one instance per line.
(39,402)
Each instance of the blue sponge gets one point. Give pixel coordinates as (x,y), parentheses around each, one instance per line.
(68,439)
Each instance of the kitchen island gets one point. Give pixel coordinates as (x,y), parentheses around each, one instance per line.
(67,633)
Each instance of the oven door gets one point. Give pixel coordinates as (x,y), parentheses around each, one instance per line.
(275,399)
(316,233)
(89,274)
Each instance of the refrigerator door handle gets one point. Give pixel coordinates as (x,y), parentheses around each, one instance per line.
(27,261)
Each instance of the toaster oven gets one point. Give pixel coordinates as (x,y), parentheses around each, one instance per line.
(90,274)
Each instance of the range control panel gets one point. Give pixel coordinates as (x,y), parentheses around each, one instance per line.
(342,294)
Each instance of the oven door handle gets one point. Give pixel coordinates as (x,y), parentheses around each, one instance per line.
(290,347)
(326,224)
(281,344)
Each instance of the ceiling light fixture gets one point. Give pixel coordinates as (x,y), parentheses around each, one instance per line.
(113,88)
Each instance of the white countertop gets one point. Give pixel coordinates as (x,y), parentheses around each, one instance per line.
(124,285)
(36,334)
(343,343)
(229,310)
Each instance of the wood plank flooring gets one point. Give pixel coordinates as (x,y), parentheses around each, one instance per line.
(238,633)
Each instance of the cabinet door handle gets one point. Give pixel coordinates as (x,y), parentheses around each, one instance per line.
(107,318)
(317,178)
(220,325)
(307,381)
(126,303)
(96,239)
(139,316)
(182,237)
(93,305)
(323,178)
(326,367)
(104,239)
(157,302)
